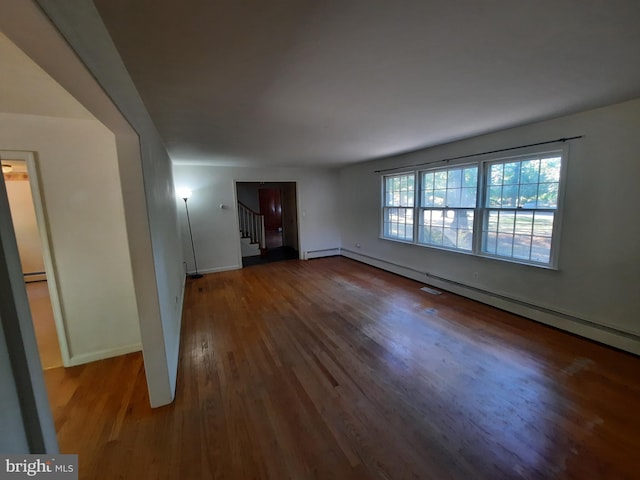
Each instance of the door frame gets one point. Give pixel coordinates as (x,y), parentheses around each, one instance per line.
(30,158)
(237,220)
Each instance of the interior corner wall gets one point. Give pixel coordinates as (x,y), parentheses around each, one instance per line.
(82,196)
(595,291)
(215,231)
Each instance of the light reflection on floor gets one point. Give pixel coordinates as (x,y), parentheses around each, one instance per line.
(499,408)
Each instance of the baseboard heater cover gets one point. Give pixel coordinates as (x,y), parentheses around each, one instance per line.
(601,333)
(325,252)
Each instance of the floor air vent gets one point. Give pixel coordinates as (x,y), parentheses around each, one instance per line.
(432,291)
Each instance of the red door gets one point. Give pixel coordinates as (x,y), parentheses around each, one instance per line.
(271,208)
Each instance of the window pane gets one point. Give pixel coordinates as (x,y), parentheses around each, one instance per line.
(468,197)
(437,217)
(453,198)
(427,181)
(450,237)
(452,228)
(529,171)
(516,192)
(448,188)
(398,223)
(422,234)
(436,236)
(505,244)
(524,223)
(543,224)
(440,179)
(465,239)
(492,221)
(522,246)
(541,249)
(548,195)
(470,177)
(490,242)
(495,196)
(454,179)
(506,222)
(509,194)
(399,190)
(528,196)
(439,198)
(550,170)
(511,174)
(495,174)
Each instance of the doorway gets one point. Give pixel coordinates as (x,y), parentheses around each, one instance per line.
(277,203)
(21,181)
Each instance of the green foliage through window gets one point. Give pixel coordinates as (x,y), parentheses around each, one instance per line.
(515,215)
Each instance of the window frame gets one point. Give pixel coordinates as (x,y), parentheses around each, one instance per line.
(561,150)
(481,211)
(420,208)
(384,207)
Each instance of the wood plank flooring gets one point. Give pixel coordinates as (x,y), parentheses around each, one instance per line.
(330,369)
(44,324)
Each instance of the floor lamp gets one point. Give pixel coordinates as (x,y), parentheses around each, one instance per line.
(185,194)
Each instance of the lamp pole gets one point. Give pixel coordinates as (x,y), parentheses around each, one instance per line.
(185,197)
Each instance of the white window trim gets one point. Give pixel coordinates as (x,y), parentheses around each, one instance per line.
(419,207)
(483,162)
(383,196)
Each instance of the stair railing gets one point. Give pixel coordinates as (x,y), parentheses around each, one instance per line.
(252,225)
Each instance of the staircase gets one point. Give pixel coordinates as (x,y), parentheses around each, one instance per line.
(251,231)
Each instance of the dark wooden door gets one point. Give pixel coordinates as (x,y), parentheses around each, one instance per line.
(271,208)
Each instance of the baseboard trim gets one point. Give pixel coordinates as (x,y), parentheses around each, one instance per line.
(217,269)
(83,358)
(600,333)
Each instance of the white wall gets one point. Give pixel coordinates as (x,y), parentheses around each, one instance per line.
(25,225)
(598,280)
(80,187)
(78,52)
(26,423)
(215,231)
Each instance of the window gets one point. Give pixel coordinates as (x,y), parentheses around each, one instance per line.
(520,207)
(399,195)
(447,203)
(505,208)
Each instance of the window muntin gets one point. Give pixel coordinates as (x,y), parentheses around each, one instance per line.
(447,228)
(447,203)
(398,209)
(520,207)
(505,208)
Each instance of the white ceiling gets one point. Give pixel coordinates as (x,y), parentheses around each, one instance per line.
(308,82)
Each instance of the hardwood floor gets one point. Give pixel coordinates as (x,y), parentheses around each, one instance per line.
(331,369)
(44,324)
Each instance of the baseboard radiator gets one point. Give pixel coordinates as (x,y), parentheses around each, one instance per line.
(621,339)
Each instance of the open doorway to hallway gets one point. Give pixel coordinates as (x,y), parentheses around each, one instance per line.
(31,238)
(269,229)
